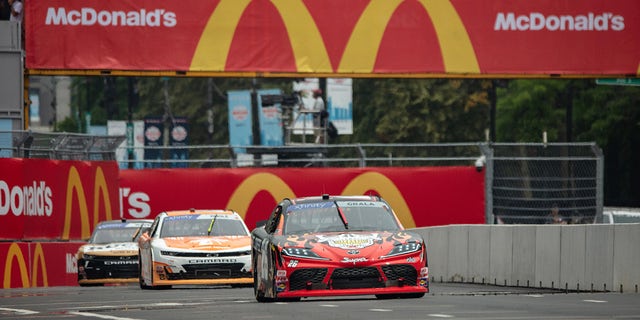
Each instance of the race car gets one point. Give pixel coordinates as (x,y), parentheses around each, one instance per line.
(195,247)
(111,254)
(337,246)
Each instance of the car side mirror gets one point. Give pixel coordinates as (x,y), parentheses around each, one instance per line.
(261,223)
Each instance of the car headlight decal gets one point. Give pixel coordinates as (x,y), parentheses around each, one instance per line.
(301,253)
(404,248)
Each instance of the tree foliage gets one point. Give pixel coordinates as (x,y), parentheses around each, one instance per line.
(406,111)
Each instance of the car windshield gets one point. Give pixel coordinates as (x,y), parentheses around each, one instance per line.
(115,233)
(202,226)
(325,217)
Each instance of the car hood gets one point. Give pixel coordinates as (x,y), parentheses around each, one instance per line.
(206,243)
(338,245)
(116,248)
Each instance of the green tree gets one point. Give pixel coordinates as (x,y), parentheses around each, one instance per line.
(420,110)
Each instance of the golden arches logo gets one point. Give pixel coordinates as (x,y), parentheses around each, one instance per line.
(100,190)
(15,253)
(387,190)
(361,50)
(249,188)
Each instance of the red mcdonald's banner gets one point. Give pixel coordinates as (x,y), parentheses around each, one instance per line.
(38,264)
(336,37)
(421,196)
(55,199)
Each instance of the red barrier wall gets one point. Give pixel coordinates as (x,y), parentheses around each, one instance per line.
(54,199)
(39,264)
(60,200)
(421,196)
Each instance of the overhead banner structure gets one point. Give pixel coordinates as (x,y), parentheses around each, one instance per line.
(335,38)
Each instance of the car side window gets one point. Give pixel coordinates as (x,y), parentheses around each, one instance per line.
(154,227)
(272,224)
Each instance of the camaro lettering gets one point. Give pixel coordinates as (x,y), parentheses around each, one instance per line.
(201,261)
(111,263)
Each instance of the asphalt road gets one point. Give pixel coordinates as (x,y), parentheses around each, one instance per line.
(446,300)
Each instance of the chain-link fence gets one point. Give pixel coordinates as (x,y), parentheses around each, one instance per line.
(544,183)
(58,146)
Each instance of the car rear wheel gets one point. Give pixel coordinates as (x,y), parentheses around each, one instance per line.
(259,294)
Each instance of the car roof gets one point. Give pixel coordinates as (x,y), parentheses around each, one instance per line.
(174,213)
(327,197)
(125,222)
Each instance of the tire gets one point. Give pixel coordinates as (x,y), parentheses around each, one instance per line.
(152,286)
(143,285)
(258,294)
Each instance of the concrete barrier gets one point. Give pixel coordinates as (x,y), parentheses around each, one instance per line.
(570,257)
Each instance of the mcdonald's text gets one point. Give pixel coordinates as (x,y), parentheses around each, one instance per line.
(29,200)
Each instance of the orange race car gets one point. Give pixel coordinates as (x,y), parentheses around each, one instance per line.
(188,247)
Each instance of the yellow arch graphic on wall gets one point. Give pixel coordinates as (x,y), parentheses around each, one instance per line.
(14,252)
(75,185)
(100,189)
(387,190)
(247,190)
(362,49)
(307,44)
(38,256)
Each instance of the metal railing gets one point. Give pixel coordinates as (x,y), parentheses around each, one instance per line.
(308,155)
(58,146)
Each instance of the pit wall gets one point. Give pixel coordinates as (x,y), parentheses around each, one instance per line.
(570,257)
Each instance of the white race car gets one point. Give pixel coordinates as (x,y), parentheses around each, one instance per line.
(111,254)
(188,247)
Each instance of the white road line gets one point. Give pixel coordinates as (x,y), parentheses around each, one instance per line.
(21,312)
(329,305)
(101,316)
(595,301)
(439,315)
(380,310)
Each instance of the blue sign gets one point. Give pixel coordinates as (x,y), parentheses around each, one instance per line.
(270,120)
(240,120)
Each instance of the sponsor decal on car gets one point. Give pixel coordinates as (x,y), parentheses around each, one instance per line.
(349,241)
